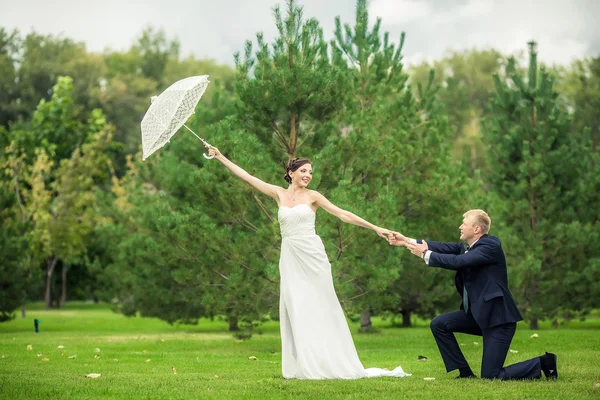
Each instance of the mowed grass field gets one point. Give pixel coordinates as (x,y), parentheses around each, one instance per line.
(145,358)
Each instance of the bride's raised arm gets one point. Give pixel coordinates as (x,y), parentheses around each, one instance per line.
(346,216)
(266,188)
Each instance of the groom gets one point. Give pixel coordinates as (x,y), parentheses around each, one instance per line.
(488,309)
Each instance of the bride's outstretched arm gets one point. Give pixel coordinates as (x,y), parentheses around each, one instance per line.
(347,216)
(266,188)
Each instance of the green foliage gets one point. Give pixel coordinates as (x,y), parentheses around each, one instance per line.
(539,169)
(14,274)
(56,125)
(9,48)
(287,91)
(580,86)
(55,164)
(180,238)
(393,167)
(214,236)
(465,82)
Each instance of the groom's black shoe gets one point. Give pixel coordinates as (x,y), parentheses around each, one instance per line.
(548,364)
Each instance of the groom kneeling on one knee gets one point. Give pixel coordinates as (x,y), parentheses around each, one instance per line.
(487,309)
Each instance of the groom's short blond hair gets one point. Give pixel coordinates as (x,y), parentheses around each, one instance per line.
(480,218)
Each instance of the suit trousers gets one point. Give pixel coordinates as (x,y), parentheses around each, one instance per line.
(496,343)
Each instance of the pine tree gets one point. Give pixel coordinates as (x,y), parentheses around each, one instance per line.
(393,167)
(217,237)
(537,170)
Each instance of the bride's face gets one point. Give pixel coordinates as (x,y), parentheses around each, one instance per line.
(302,176)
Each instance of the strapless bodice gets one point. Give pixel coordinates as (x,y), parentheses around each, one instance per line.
(296,221)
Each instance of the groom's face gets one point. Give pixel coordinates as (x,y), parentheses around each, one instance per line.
(467,229)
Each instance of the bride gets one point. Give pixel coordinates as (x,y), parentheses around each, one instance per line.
(315,337)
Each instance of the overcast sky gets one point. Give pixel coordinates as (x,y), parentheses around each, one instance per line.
(564,29)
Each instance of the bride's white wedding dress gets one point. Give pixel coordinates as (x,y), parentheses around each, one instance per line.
(316,339)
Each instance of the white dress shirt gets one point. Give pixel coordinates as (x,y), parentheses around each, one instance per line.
(427,254)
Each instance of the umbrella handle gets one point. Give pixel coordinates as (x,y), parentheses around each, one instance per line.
(208,145)
(204,142)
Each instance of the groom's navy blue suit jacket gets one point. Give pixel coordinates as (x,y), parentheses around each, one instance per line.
(483,271)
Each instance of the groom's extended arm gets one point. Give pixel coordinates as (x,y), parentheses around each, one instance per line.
(483,254)
(439,247)
(444,247)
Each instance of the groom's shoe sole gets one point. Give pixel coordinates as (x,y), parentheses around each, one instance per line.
(552,372)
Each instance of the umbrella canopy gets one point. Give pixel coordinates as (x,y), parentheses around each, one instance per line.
(169,111)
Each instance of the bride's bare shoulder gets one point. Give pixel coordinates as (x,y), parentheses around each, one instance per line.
(280,193)
(317,198)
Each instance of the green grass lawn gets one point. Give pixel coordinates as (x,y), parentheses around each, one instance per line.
(136,356)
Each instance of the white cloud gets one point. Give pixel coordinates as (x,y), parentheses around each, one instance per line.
(400,11)
(217,29)
(563,30)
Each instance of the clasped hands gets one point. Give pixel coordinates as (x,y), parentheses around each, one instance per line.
(398,239)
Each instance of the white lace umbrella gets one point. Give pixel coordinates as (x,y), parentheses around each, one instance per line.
(169,111)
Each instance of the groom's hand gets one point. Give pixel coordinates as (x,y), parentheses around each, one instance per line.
(384,233)
(398,239)
(418,249)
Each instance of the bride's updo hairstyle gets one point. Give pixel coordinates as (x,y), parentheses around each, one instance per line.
(293,165)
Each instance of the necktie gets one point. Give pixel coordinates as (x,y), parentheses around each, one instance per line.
(465,296)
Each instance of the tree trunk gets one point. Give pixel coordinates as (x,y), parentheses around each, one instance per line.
(233,324)
(534,323)
(23,311)
(50,264)
(365,320)
(293,136)
(63,294)
(406,319)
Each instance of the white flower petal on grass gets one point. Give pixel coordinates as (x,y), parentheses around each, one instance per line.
(148,360)
(61,347)
(73,356)
(428,378)
(94,376)
(514,351)
(29,347)
(534,335)
(97,350)
(252,358)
